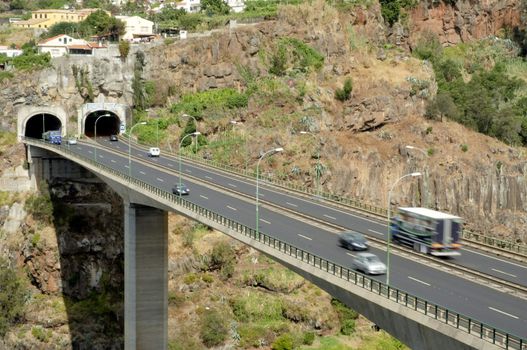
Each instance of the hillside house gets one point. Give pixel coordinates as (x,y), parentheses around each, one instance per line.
(61,45)
(46,18)
(136,27)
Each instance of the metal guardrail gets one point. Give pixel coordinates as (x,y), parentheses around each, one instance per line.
(354,203)
(488,333)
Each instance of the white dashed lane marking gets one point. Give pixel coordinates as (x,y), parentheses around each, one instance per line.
(267,222)
(504,313)
(330,217)
(377,232)
(203,196)
(305,237)
(291,204)
(231,208)
(113,161)
(232,185)
(415,279)
(142,172)
(158,179)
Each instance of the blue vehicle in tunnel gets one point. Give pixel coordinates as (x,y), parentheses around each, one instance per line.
(53,136)
(427,231)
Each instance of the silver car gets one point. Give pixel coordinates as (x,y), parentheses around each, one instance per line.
(369,264)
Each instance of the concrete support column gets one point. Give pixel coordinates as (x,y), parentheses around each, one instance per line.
(145,277)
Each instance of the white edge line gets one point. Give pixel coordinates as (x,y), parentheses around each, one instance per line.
(492,257)
(505,273)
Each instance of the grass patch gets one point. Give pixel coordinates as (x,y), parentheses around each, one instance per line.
(216,100)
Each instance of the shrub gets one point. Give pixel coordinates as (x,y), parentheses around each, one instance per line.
(348,327)
(40,206)
(30,61)
(213,329)
(464,147)
(344,312)
(430,152)
(283,342)
(12,296)
(5,75)
(344,94)
(41,334)
(207,278)
(278,62)
(309,338)
(222,254)
(188,239)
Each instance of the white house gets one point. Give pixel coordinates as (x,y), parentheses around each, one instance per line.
(190,6)
(6,51)
(61,45)
(136,27)
(58,45)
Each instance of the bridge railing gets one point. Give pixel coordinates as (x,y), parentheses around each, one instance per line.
(488,333)
(351,202)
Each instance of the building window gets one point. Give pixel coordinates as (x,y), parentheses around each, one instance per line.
(46,16)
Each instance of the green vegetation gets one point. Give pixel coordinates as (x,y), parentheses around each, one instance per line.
(394,10)
(210,102)
(5,75)
(283,342)
(124,49)
(344,94)
(41,334)
(476,87)
(83,83)
(30,59)
(213,330)
(346,315)
(295,56)
(13,294)
(39,205)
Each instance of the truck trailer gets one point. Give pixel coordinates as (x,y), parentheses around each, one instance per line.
(427,231)
(52,136)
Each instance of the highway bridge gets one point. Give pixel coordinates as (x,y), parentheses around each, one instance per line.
(476,301)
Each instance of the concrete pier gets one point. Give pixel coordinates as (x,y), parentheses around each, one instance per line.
(146,277)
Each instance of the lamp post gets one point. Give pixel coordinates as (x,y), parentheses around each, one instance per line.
(274,150)
(425,182)
(95,138)
(389,224)
(130,148)
(234,122)
(195,123)
(195,133)
(318,169)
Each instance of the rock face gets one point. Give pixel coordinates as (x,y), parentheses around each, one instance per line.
(465,21)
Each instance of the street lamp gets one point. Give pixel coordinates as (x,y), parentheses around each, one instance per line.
(318,168)
(195,133)
(95,138)
(234,122)
(389,224)
(274,150)
(425,182)
(195,123)
(130,148)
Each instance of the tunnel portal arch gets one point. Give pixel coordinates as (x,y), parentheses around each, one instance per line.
(32,121)
(108,123)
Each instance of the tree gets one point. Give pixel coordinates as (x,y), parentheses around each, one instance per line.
(69,28)
(442,106)
(214,7)
(124,49)
(13,293)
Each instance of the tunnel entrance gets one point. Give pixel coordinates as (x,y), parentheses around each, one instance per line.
(107,124)
(40,123)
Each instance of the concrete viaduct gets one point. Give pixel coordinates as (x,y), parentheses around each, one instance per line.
(146,244)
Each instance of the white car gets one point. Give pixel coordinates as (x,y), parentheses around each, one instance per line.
(154,152)
(369,264)
(72,141)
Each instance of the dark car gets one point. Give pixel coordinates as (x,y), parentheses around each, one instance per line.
(353,240)
(113,138)
(180,190)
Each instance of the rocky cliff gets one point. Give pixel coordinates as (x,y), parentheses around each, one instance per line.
(464,21)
